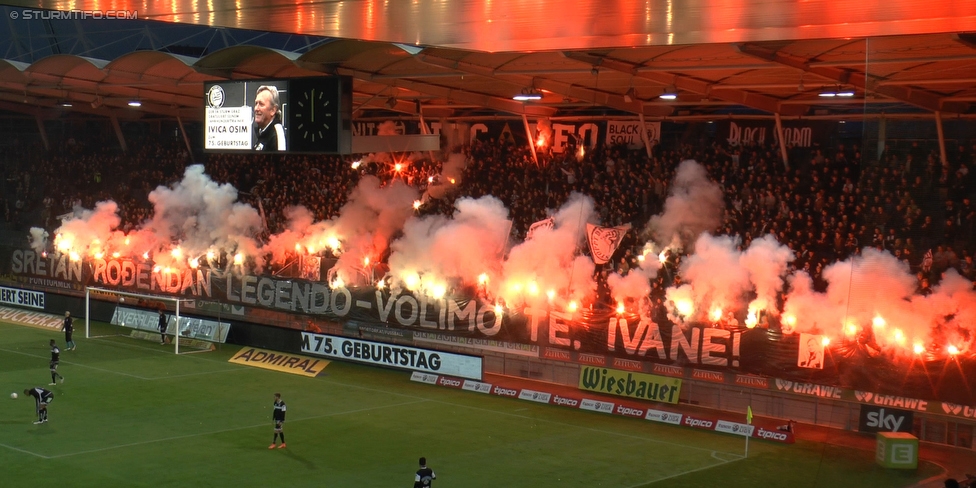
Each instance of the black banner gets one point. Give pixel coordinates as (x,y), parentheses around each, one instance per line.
(602,332)
(584,336)
(797,133)
(560,135)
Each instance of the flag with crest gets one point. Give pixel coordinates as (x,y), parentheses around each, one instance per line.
(548,223)
(604,241)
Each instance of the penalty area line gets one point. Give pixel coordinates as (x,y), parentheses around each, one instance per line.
(721,462)
(79,365)
(130,375)
(232,429)
(12,448)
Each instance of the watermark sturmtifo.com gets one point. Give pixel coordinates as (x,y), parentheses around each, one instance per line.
(27,14)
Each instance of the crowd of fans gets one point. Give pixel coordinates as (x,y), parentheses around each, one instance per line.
(41,185)
(826,204)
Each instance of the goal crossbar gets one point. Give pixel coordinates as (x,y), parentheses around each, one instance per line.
(175,301)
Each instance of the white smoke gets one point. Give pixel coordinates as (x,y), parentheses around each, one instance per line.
(195,215)
(469,244)
(451,176)
(550,261)
(695,205)
(873,293)
(767,262)
(876,292)
(363,229)
(199,215)
(720,278)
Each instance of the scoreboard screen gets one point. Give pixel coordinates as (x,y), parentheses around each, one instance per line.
(296,115)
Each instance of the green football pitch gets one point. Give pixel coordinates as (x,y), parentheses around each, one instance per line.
(132,413)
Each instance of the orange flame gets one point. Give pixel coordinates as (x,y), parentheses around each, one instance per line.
(715,314)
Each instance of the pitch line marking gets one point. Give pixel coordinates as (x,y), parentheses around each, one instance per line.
(703,468)
(77,364)
(125,374)
(232,429)
(12,448)
(620,434)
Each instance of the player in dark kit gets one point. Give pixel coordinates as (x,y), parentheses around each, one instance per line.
(42,397)
(424,475)
(68,328)
(55,359)
(163,323)
(279,421)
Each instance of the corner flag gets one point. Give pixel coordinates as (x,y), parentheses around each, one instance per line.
(748,421)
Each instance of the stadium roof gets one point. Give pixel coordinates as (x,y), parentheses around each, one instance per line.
(469,58)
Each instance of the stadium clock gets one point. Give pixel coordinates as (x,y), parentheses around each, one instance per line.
(310,127)
(315,118)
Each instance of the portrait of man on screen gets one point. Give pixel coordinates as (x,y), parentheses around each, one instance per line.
(269,133)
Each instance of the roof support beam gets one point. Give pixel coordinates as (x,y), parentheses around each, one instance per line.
(597,97)
(488,101)
(88,91)
(15,102)
(685,83)
(43,132)
(919,98)
(522,81)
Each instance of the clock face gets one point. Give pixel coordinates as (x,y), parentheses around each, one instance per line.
(314,115)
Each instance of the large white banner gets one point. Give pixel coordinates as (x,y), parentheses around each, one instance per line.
(392,355)
(628,132)
(190,327)
(22,298)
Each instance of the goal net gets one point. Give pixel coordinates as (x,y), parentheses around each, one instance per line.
(137,316)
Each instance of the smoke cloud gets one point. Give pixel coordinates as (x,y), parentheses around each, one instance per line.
(871,296)
(550,260)
(695,205)
(467,245)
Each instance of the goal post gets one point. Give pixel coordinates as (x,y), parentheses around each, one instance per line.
(135,315)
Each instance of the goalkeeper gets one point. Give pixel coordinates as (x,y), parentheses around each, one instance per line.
(68,327)
(163,323)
